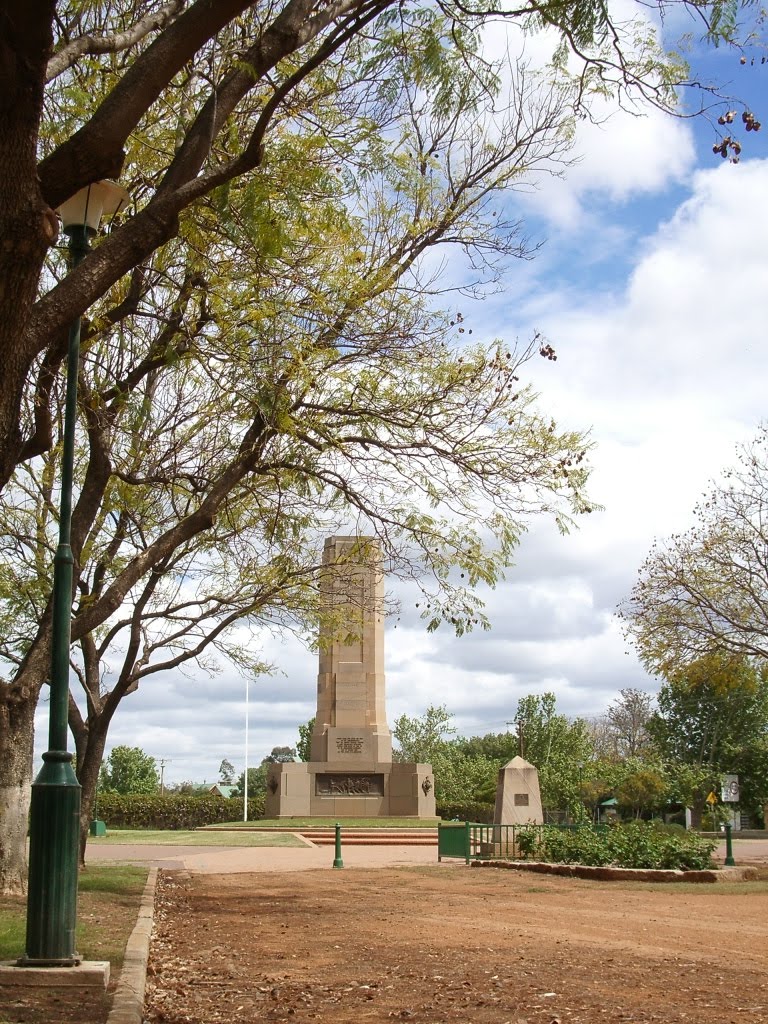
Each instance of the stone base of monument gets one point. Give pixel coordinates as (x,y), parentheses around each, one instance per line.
(332,790)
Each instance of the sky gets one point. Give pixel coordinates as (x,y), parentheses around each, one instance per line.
(652,285)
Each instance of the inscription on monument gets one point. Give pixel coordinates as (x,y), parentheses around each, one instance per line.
(349,745)
(349,785)
(521,799)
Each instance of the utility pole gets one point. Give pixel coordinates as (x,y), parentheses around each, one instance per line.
(163,761)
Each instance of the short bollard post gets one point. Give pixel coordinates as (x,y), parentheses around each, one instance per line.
(729,861)
(337,861)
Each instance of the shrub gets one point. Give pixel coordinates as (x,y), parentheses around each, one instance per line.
(634,845)
(482,813)
(172,811)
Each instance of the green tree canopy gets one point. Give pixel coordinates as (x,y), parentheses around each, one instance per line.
(558,747)
(713,717)
(420,739)
(499,746)
(129,770)
(257,781)
(304,744)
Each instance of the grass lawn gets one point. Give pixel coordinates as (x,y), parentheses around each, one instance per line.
(107,907)
(192,838)
(329,822)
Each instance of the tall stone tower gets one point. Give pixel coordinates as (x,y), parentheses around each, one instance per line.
(351,772)
(351,720)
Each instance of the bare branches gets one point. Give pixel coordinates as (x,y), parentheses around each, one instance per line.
(705,592)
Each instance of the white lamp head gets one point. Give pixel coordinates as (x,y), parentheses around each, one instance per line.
(90,204)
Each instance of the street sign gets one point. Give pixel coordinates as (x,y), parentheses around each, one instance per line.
(711,799)
(730,789)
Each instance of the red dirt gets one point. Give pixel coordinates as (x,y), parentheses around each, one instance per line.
(442,944)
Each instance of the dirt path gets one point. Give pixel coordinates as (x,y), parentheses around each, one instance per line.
(436,944)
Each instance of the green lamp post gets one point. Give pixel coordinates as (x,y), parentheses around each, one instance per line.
(55,808)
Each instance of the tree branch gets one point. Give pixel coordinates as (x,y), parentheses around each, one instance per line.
(90,44)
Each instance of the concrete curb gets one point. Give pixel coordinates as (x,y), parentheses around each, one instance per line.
(128,1004)
(608,874)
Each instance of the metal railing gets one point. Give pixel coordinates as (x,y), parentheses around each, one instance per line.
(476,841)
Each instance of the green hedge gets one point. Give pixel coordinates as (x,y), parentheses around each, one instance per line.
(638,844)
(173,812)
(475,811)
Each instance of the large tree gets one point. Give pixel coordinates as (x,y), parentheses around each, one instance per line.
(419,739)
(129,770)
(713,716)
(705,592)
(558,747)
(276,368)
(621,732)
(79,82)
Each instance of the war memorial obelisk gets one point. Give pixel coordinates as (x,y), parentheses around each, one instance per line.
(351,772)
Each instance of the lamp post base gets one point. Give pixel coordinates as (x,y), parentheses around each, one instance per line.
(54,830)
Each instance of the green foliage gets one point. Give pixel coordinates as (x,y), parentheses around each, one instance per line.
(471,811)
(560,749)
(713,717)
(174,812)
(421,739)
(226,773)
(464,774)
(304,746)
(280,755)
(632,845)
(499,746)
(582,845)
(462,779)
(644,790)
(129,770)
(710,708)
(257,781)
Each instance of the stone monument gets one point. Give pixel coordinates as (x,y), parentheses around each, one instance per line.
(350,772)
(518,798)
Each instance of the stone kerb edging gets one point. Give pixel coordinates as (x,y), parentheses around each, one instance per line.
(128,1004)
(608,874)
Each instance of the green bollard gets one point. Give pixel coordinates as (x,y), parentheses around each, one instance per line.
(729,861)
(337,861)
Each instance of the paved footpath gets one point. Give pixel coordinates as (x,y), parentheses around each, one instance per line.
(239,859)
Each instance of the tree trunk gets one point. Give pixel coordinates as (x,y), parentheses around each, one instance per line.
(88,765)
(17,724)
(27,226)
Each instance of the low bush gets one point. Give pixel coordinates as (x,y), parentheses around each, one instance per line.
(634,845)
(482,813)
(172,811)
